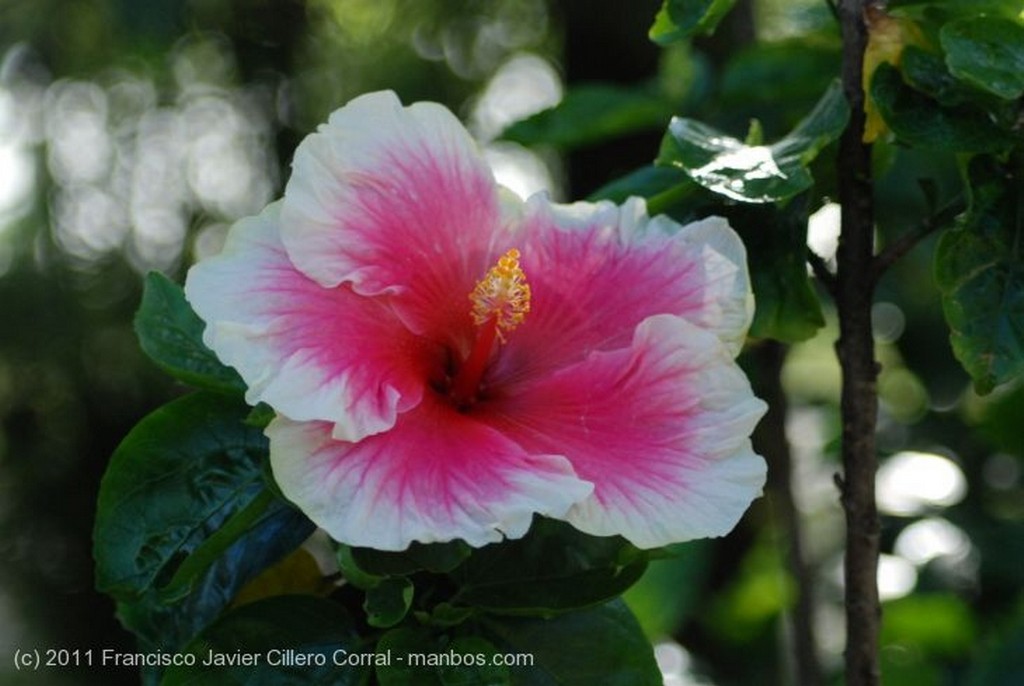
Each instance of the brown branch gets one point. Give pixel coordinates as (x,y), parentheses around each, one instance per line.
(905,243)
(770,441)
(859,399)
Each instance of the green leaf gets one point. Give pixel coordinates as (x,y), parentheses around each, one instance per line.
(482,670)
(554,568)
(422,658)
(788,308)
(920,121)
(406,641)
(780,80)
(291,640)
(161,625)
(602,645)
(926,72)
(940,10)
(171,334)
(645,182)
(202,558)
(388,602)
(682,19)
(184,501)
(430,557)
(174,480)
(755,174)
(592,113)
(681,577)
(980,271)
(988,53)
(352,572)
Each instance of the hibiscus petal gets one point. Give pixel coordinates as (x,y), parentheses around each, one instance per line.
(596,270)
(661,428)
(436,476)
(394,200)
(312,353)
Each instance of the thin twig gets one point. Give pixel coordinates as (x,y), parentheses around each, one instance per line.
(905,243)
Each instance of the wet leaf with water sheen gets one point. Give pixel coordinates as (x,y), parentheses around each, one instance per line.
(755,173)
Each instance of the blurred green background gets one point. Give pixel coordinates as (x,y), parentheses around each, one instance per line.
(133,133)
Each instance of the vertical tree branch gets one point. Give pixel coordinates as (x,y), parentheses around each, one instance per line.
(770,440)
(859,401)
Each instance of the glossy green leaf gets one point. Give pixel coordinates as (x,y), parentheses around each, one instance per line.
(291,640)
(388,602)
(986,52)
(979,268)
(754,174)
(264,506)
(920,121)
(590,114)
(553,568)
(163,624)
(927,72)
(682,19)
(601,645)
(174,480)
(184,502)
(171,334)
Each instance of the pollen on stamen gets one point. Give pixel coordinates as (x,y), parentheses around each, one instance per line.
(502,296)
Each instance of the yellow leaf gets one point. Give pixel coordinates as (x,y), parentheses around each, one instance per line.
(887,36)
(298,573)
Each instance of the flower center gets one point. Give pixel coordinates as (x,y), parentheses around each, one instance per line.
(500,302)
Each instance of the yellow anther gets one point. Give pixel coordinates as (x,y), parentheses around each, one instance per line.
(502,295)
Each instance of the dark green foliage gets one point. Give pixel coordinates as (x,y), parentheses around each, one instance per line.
(682,19)
(980,271)
(988,53)
(172,335)
(922,122)
(590,114)
(286,636)
(600,645)
(788,309)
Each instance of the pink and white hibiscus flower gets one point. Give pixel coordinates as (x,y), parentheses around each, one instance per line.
(446,361)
